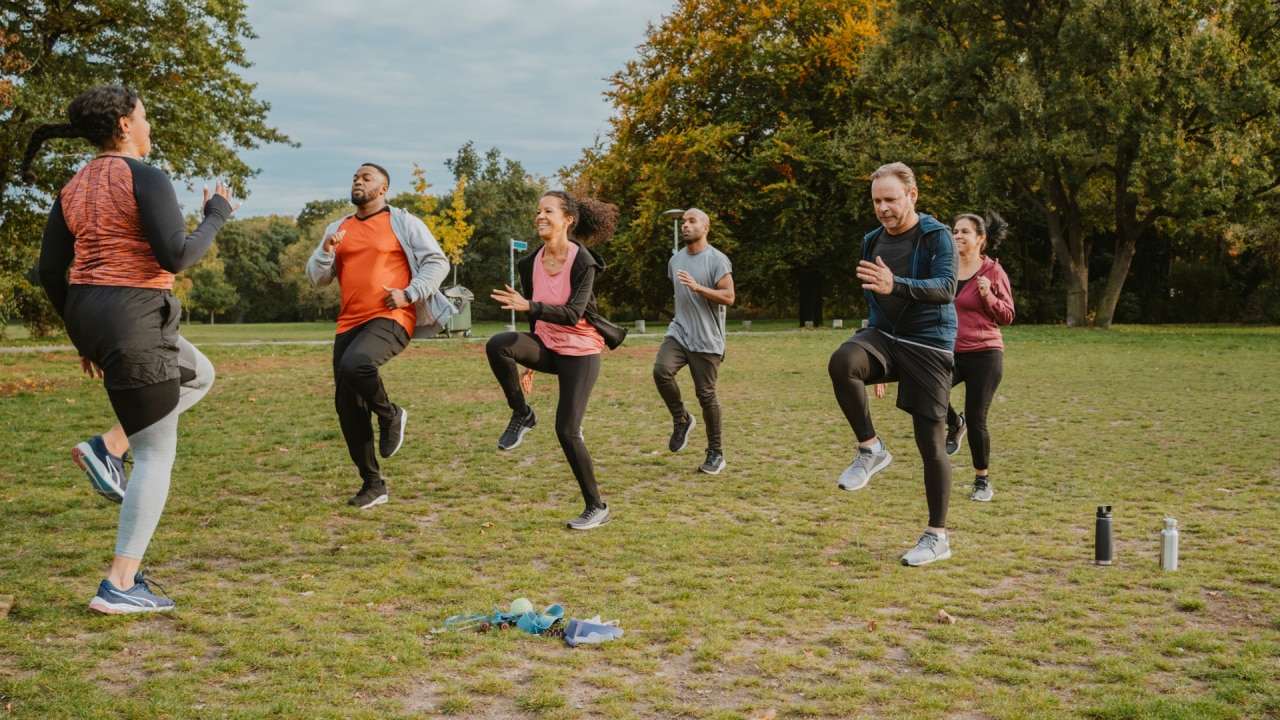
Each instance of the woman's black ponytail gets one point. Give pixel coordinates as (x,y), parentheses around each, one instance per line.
(95,116)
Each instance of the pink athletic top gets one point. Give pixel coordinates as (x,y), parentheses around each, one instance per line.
(572,340)
(979,318)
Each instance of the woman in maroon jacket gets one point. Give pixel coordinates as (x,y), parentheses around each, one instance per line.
(984,302)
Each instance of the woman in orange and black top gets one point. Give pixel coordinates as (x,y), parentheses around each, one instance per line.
(118,227)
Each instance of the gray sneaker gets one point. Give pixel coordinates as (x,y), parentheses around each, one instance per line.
(930,547)
(866,464)
(981,489)
(591,518)
(714,463)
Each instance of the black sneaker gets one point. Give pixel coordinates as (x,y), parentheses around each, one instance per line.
(680,434)
(955,434)
(714,463)
(982,491)
(371,493)
(391,432)
(521,423)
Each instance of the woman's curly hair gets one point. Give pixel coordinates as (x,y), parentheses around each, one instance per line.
(594,221)
(95,116)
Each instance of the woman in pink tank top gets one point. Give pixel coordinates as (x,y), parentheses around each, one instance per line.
(564,340)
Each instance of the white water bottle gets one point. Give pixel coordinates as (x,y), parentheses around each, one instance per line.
(1169,545)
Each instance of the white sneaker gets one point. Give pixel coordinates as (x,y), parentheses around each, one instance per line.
(591,518)
(866,464)
(931,546)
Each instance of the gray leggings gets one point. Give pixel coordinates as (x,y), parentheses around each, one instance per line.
(154,449)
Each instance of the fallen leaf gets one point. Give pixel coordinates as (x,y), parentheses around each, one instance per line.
(808,653)
(305,576)
(769,714)
(71,400)
(834,563)
(394,659)
(486,525)
(871,625)
(481,532)
(731,580)
(282,449)
(945,617)
(253,399)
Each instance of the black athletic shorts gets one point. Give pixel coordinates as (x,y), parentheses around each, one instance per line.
(131,333)
(923,373)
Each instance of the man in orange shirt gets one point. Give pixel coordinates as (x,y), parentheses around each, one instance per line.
(389,268)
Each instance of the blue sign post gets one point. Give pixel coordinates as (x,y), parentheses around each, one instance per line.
(515,245)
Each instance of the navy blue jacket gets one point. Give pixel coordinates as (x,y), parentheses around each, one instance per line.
(930,316)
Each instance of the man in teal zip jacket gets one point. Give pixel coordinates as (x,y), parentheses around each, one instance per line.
(908,274)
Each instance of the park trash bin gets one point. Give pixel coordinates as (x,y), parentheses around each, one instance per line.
(461,321)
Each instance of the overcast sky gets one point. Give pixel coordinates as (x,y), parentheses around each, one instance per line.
(403,81)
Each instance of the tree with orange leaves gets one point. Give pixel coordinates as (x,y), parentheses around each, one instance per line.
(731,107)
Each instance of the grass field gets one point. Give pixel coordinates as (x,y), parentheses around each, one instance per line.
(764,592)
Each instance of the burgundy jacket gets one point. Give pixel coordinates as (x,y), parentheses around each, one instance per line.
(980,318)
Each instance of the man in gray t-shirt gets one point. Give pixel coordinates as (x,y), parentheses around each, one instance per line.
(703,279)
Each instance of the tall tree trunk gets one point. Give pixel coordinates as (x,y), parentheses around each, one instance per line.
(1125,247)
(1128,229)
(811,289)
(1066,236)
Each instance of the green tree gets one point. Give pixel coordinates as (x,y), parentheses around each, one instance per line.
(1106,116)
(449,226)
(183,60)
(311,302)
(317,212)
(211,292)
(731,106)
(250,250)
(502,197)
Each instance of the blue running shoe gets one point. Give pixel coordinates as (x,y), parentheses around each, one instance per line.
(105,471)
(139,598)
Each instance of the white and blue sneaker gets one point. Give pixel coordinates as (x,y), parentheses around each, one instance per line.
(105,471)
(139,598)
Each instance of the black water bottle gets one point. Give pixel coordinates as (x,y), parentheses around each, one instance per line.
(1102,536)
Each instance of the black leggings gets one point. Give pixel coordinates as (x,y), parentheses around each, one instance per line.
(981,373)
(358,389)
(851,367)
(577,376)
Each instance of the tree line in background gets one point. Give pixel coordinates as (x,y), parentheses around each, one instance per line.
(256,271)
(1134,145)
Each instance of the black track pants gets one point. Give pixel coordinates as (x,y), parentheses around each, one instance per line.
(358,390)
(577,376)
(981,373)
